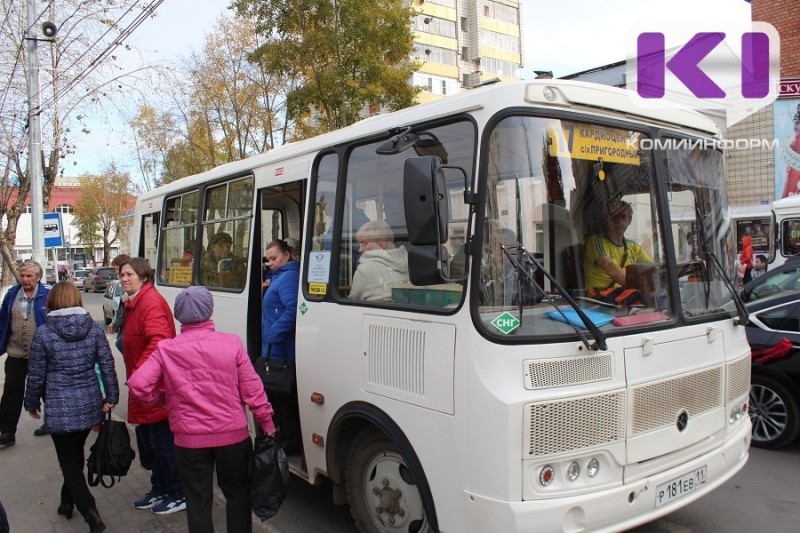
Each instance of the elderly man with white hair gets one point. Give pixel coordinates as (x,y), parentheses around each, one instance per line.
(23,310)
(381,265)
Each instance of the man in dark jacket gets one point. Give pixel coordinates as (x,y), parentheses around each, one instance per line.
(23,310)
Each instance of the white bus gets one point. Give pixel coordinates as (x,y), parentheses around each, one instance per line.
(774,228)
(489,390)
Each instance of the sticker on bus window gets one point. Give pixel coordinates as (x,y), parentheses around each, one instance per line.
(319,267)
(506,323)
(317,289)
(593,142)
(180,275)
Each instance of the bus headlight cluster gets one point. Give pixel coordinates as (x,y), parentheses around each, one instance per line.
(737,413)
(572,471)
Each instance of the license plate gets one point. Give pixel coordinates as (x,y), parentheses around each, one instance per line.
(671,490)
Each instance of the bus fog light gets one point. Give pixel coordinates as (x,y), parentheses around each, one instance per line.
(573,471)
(737,412)
(593,467)
(547,475)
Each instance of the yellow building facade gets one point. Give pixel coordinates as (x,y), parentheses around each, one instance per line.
(463,43)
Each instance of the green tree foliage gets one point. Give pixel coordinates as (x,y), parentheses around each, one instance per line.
(345,54)
(100,213)
(152,136)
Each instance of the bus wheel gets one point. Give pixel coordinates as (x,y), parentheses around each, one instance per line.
(381,489)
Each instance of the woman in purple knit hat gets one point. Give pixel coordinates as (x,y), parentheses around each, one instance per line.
(205,379)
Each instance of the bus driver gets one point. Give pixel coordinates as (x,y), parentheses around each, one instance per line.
(609,253)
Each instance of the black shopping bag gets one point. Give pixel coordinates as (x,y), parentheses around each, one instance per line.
(269,477)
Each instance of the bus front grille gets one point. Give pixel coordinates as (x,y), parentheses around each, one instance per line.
(655,405)
(738,379)
(574,424)
(567,371)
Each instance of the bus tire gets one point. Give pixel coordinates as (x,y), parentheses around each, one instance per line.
(381,488)
(774,413)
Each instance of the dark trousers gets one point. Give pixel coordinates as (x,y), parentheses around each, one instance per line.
(286,417)
(13,394)
(196,466)
(69,449)
(164,477)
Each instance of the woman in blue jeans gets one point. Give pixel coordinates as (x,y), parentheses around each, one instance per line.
(148,319)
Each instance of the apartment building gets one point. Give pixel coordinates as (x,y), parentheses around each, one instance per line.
(463,43)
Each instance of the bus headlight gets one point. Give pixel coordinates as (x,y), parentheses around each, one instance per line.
(573,470)
(737,413)
(593,467)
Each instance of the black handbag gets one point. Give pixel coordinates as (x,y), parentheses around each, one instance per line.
(111,454)
(277,375)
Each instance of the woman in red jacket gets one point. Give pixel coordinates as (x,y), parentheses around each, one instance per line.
(148,319)
(746,259)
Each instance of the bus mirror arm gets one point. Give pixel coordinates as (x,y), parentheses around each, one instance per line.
(597,335)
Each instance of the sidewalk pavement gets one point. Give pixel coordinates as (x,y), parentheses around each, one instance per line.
(30,488)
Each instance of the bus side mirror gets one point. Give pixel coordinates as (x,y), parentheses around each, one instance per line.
(425,202)
(427,265)
(426,220)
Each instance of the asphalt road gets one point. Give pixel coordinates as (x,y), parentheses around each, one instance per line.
(763,497)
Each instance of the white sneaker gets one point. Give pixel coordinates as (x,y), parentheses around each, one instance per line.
(148,501)
(169,506)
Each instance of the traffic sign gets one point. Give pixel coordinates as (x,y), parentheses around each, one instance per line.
(53,234)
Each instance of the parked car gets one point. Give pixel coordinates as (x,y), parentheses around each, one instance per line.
(775,384)
(98,279)
(111,300)
(783,278)
(79,276)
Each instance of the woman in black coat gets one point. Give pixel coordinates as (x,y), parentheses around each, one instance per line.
(61,367)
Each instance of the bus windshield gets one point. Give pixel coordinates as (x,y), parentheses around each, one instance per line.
(629,224)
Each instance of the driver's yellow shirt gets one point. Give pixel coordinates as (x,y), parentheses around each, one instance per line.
(600,246)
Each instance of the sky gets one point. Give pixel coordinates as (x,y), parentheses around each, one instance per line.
(561,36)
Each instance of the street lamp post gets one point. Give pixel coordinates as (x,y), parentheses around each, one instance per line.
(34,138)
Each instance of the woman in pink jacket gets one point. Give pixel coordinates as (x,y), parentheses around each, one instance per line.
(205,379)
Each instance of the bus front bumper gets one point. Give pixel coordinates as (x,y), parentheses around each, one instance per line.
(615,509)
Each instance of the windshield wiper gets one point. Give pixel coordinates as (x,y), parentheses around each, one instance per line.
(597,335)
(704,247)
(737,300)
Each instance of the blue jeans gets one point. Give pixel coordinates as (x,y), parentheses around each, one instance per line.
(164,478)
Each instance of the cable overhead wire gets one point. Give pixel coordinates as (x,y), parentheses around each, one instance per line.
(146,12)
(6,17)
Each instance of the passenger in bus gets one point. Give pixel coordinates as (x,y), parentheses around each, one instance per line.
(608,254)
(381,265)
(266,273)
(278,324)
(220,268)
